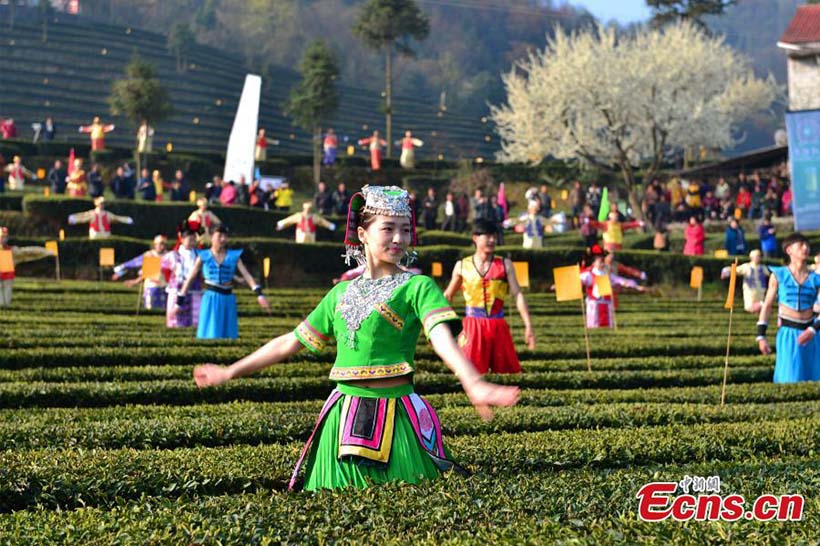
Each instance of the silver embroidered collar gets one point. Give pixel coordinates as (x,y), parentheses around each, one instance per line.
(362,295)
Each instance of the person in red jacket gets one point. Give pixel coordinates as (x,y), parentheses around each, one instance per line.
(695,236)
(743,201)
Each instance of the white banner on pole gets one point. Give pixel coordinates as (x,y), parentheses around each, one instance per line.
(239,159)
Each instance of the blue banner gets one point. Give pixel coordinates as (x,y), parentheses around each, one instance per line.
(804,163)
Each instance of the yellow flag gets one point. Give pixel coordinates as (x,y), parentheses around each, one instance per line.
(351,150)
(266,267)
(721,253)
(564,195)
(6,261)
(192,196)
(604,285)
(62,235)
(47,192)
(438,269)
(522,273)
(696,277)
(730,297)
(151,267)
(568,283)
(51,246)
(106,257)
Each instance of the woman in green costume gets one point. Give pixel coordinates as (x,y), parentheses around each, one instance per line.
(373,427)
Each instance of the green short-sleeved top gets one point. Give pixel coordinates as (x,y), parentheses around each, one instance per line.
(376,324)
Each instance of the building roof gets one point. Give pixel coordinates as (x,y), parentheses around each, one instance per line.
(804,26)
(761,158)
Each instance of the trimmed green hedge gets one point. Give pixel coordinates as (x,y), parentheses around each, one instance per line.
(151,218)
(70,479)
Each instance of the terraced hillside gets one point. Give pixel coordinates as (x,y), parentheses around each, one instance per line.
(69,77)
(105,439)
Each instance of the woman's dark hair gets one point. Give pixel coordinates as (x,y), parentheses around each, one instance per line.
(483,226)
(365,219)
(795,237)
(221,228)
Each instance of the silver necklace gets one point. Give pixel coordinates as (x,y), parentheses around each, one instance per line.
(362,295)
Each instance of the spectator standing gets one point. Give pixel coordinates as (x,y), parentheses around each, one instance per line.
(323,200)
(695,236)
(587,222)
(119,184)
(228,194)
(593,197)
(430,209)
(283,197)
(743,202)
(243,196)
(462,212)
(213,189)
(57,178)
(768,237)
(146,186)
(735,239)
(546,201)
(757,201)
(450,213)
(577,199)
(180,187)
(341,199)
(8,129)
(96,187)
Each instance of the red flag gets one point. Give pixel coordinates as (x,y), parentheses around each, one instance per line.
(71,162)
(502,199)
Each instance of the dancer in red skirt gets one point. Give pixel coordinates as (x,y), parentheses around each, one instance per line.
(485,280)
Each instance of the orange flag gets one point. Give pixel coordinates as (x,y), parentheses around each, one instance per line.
(106,257)
(522,273)
(730,297)
(568,283)
(6,261)
(151,267)
(438,270)
(604,285)
(696,278)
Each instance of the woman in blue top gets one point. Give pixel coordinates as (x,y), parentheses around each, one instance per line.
(796,289)
(217,312)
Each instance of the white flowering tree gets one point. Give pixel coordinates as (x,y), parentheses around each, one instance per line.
(621,102)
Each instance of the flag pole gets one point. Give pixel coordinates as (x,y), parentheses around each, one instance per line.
(730,302)
(139,294)
(726,365)
(586,334)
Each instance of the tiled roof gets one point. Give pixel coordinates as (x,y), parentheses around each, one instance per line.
(804,26)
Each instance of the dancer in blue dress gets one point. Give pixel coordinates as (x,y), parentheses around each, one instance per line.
(796,289)
(217,312)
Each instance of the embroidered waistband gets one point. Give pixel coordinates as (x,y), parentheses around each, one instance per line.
(370,372)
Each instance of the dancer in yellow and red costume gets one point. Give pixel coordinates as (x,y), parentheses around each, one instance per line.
(486,279)
(97,132)
(600,309)
(305,223)
(375,144)
(99,220)
(19,254)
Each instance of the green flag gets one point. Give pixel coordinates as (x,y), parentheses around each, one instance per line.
(603,212)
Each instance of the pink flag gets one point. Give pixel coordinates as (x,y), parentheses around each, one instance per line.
(71,162)
(502,199)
